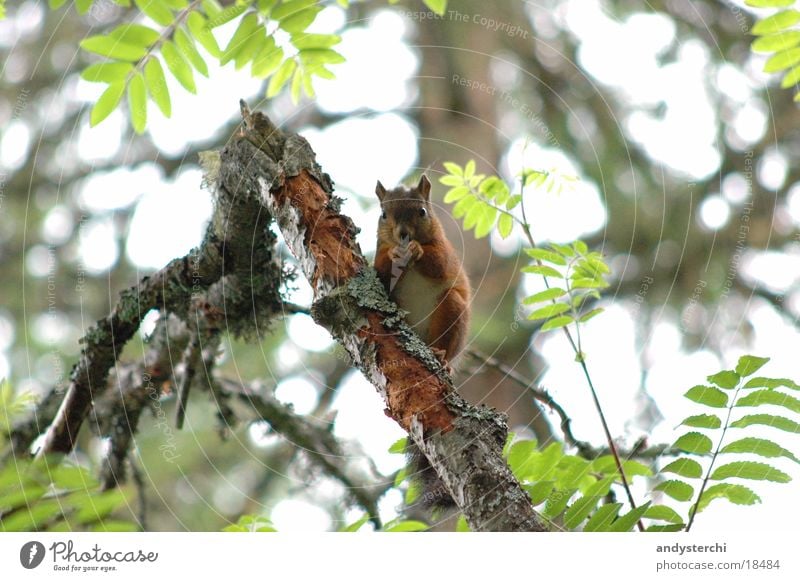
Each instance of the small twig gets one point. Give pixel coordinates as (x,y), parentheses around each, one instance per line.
(190,360)
(141,491)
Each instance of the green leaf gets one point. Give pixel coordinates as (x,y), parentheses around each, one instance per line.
(107,72)
(607,465)
(725,379)
(546,256)
(93,507)
(155,11)
(112,48)
(694,443)
(676,489)
(735,493)
(749,364)
(200,31)
(486,222)
(267,60)
(157,86)
(351,528)
(579,283)
(782,60)
(82,6)
(178,66)
(769,3)
(304,41)
(505,225)
(545,295)
(590,315)
(226,15)
(438,6)
(188,49)
(770,383)
(663,512)
(791,79)
(107,102)
(399,447)
(543,270)
(777,422)
(710,396)
(73,477)
(299,21)
(750,471)
(579,510)
(406,526)
(455,194)
(311,56)
(777,42)
(776,22)
(462,526)
(55,4)
(248,27)
(557,502)
(603,518)
(759,446)
(557,323)
(702,421)
(463,206)
(540,491)
(469,169)
(548,311)
(769,397)
(627,521)
(494,189)
(451,180)
(281,77)
(685,467)
(665,528)
(135,35)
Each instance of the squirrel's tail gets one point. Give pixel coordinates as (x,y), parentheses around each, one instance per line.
(433,492)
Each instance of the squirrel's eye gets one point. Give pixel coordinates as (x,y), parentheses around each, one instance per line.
(383,216)
(423,212)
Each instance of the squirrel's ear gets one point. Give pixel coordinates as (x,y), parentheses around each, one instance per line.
(424,187)
(380,190)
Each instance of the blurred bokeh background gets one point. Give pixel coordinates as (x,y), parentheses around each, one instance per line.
(689,185)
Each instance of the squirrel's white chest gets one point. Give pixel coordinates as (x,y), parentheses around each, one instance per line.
(419,295)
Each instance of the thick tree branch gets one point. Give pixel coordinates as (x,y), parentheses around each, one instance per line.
(462,442)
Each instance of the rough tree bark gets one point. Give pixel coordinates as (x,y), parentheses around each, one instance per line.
(462,442)
(261,175)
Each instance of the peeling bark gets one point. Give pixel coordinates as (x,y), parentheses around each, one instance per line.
(463,443)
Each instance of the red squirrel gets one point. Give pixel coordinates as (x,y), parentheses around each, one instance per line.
(421,270)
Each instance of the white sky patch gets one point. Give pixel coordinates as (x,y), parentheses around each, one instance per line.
(616,384)
(119,188)
(561,217)
(777,271)
(169,221)
(772,169)
(385,143)
(735,188)
(360,417)
(307,334)
(299,516)
(98,247)
(750,122)
(16,138)
(299,392)
(379,49)
(101,142)
(58,225)
(714,212)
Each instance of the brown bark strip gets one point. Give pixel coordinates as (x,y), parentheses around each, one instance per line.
(463,443)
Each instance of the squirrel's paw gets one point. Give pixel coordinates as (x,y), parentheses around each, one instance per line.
(441,355)
(398,254)
(415,249)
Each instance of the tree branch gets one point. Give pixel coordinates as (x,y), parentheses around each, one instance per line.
(463,443)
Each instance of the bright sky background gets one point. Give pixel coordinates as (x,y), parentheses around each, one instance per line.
(377,82)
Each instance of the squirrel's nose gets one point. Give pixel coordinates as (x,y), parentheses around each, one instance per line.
(405,236)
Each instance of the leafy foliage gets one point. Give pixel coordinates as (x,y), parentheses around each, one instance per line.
(574,492)
(137,56)
(724,395)
(778,36)
(251,524)
(50,494)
